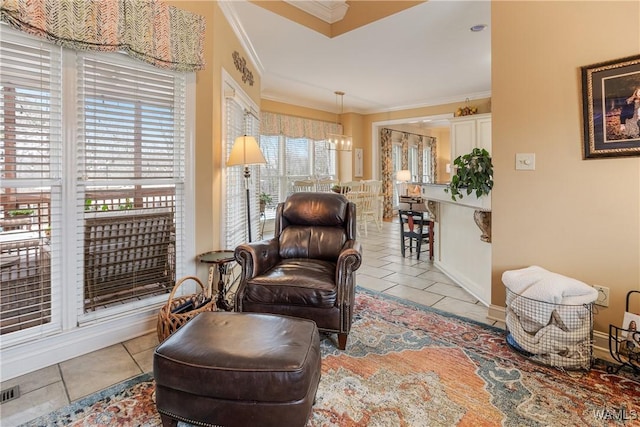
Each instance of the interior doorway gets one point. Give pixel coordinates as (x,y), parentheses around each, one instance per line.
(420,145)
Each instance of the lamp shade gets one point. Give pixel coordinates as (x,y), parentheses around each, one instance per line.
(403,175)
(245,151)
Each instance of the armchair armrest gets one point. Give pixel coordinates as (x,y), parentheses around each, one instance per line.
(257,257)
(348,262)
(351,252)
(254,259)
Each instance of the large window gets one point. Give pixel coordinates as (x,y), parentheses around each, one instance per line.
(92,144)
(130,158)
(292,159)
(31,153)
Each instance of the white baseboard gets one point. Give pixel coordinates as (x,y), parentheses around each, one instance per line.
(496,313)
(601,346)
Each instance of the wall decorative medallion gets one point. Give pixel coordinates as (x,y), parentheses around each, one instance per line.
(241,65)
(433,208)
(483,221)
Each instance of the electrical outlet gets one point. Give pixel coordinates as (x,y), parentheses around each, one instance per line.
(603,296)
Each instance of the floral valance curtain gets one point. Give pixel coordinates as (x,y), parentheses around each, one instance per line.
(149,30)
(296,127)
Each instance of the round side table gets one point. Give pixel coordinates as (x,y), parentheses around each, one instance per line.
(221,259)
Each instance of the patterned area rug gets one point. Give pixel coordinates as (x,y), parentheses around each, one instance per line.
(408,365)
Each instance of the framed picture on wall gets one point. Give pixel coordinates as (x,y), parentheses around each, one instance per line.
(359,163)
(611,108)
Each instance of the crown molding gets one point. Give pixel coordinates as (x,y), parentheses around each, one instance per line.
(238,29)
(330,11)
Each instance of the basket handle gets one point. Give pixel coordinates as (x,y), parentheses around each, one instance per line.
(180,282)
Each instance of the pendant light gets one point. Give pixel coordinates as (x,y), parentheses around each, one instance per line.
(336,141)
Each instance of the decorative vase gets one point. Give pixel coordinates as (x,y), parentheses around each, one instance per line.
(483,221)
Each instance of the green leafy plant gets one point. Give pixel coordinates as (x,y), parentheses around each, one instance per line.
(127,206)
(20,212)
(474,172)
(266,198)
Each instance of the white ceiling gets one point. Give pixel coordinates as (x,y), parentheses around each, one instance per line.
(424,55)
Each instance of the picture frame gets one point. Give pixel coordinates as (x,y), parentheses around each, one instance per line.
(630,334)
(611,108)
(359,163)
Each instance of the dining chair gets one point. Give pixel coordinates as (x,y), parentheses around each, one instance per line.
(415,227)
(350,187)
(305,185)
(325,184)
(369,204)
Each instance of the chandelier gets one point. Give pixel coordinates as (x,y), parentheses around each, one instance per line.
(336,141)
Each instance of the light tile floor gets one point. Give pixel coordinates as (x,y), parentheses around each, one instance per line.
(383,270)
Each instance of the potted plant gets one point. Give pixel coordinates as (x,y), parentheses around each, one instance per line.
(474,174)
(265,199)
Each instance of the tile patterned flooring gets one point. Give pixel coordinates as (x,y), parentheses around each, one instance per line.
(383,270)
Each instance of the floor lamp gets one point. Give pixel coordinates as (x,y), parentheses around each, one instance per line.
(245,151)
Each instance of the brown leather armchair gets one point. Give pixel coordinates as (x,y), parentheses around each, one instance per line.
(308,268)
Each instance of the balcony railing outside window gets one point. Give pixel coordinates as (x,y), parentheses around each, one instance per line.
(134,231)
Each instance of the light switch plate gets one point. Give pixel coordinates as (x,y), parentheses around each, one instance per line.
(525,161)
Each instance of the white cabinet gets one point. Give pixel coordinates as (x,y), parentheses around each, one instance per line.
(470,132)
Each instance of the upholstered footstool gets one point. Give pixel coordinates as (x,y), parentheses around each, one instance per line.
(238,369)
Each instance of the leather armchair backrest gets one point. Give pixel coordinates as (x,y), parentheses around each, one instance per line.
(314,225)
(320,242)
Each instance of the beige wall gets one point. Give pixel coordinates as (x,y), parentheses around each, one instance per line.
(220,43)
(443,152)
(576,217)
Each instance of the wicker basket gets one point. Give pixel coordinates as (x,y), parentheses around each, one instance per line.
(169,322)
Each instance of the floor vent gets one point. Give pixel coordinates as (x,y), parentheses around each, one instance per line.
(10,394)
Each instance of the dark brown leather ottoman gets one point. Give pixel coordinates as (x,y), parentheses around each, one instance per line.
(238,369)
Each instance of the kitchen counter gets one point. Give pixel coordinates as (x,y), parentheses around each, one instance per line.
(436,192)
(459,252)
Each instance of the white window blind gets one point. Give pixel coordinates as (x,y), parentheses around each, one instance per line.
(238,122)
(30,192)
(427,164)
(130,120)
(131,168)
(413,162)
(324,160)
(298,157)
(271,174)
